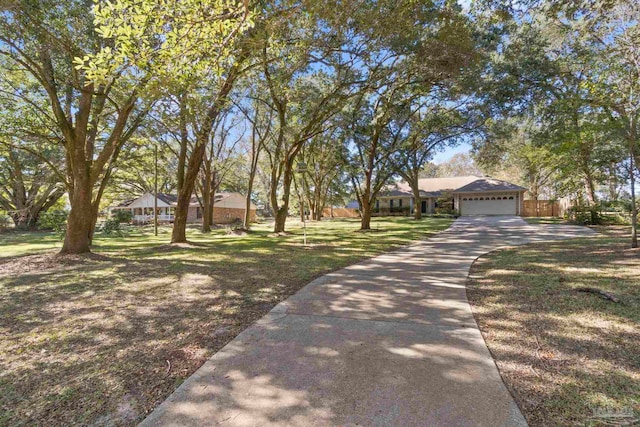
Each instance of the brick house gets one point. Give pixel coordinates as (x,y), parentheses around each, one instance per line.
(467,195)
(227,208)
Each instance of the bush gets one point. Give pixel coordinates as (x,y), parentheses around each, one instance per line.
(584,215)
(111,227)
(121,215)
(447,211)
(5,221)
(404,210)
(55,220)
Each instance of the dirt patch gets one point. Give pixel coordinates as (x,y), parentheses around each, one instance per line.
(46,261)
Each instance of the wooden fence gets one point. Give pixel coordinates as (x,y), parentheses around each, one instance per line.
(340,213)
(539,208)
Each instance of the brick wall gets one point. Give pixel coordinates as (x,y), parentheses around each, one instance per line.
(340,213)
(192,215)
(221,215)
(229,215)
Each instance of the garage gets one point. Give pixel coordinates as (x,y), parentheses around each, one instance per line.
(489,205)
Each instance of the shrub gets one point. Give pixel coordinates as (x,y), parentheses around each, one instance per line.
(584,215)
(55,220)
(447,211)
(112,227)
(5,221)
(121,215)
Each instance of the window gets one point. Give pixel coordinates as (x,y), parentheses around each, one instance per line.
(391,203)
(498,198)
(377,204)
(510,197)
(493,198)
(399,203)
(481,198)
(464,198)
(198,212)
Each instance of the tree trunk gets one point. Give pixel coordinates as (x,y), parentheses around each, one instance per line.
(281,219)
(77,238)
(283,210)
(634,208)
(184,145)
(365,220)
(590,189)
(179,234)
(417,201)
(207,209)
(247,205)
(23,220)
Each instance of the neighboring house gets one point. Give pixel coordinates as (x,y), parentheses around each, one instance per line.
(227,208)
(468,195)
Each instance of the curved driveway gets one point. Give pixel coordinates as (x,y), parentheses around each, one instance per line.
(390,341)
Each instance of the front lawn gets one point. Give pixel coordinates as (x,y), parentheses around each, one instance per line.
(102,339)
(545,220)
(570,358)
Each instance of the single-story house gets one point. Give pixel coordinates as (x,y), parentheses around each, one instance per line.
(227,208)
(468,195)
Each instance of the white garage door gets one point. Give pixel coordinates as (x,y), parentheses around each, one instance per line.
(493,205)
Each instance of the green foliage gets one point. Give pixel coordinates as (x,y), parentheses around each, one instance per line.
(5,221)
(121,215)
(445,205)
(112,227)
(55,220)
(163,37)
(584,215)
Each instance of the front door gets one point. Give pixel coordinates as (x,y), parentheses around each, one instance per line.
(423,207)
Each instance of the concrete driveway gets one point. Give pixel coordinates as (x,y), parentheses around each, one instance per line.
(390,341)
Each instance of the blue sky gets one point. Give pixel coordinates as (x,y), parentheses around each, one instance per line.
(445,155)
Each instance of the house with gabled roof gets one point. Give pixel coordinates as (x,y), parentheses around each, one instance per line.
(228,207)
(467,195)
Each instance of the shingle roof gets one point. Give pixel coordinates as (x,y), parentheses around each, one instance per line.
(489,184)
(396,193)
(429,187)
(125,203)
(168,198)
(221,196)
(435,187)
(445,184)
(172,199)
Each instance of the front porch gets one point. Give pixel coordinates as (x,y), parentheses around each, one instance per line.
(146,215)
(405,206)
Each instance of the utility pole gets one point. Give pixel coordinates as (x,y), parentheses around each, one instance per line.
(155,189)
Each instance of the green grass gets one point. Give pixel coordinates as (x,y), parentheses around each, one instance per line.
(564,354)
(103,338)
(545,220)
(14,243)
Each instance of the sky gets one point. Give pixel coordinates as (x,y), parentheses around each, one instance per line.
(445,155)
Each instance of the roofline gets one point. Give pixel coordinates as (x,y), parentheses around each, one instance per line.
(491,191)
